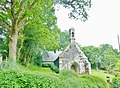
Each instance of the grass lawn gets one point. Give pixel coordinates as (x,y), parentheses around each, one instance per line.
(101,74)
(37,69)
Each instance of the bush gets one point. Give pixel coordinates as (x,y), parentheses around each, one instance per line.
(14,79)
(46,65)
(116,82)
(38,60)
(65,79)
(52,67)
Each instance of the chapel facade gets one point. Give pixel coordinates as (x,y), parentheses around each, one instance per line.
(72,58)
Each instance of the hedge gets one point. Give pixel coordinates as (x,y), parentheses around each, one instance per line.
(65,79)
(14,79)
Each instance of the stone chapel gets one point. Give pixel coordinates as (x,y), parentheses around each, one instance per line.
(72,58)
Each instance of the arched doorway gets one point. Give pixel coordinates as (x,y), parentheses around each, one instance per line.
(75,67)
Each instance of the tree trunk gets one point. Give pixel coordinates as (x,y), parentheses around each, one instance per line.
(18,52)
(13,47)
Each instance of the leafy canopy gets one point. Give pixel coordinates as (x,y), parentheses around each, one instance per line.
(78,8)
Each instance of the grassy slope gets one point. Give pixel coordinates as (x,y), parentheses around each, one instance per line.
(34,70)
(41,69)
(101,74)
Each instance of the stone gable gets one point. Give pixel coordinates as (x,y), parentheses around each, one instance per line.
(73,58)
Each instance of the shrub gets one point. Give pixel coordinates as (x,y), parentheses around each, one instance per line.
(65,79)
(46,65)
(38,59)
(52,67)
(116,82)
(14,79)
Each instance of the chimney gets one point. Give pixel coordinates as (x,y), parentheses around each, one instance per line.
(72,34)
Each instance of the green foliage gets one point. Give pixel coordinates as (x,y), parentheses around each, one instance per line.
(64,39)
(102,57)
(117,74)
(78,8)
(117,65)
(102,74)
(68,73)
(38,60)
(116,82)
(16,79)
(92,53)
(4,42)
(94,82)
(66,79)
(46,65)
(34,22)
(9,65)
(32,67)
(41,34)
(52,67)
(72,80)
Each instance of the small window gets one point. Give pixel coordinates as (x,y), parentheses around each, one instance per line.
(72,34)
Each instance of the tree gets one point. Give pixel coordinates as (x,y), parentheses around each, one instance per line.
(109,57)
(118,65)
(102,57)
(78,8)
(4,42)
(15,15)
(64,39)
(36,41)
(93,54)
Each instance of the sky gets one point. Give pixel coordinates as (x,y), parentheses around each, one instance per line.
(102,26)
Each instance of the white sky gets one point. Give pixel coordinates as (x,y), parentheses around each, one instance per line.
(102,26)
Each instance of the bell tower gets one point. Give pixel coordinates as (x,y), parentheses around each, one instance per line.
(72,34)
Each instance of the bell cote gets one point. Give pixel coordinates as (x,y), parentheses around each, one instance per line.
(72,34)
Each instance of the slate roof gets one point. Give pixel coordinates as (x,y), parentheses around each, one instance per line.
(50,56)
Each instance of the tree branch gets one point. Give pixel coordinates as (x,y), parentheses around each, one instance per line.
(12,8)
(21,21)
(5,25)
(23,25)
(31,5)
(21,8)
(26,23)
